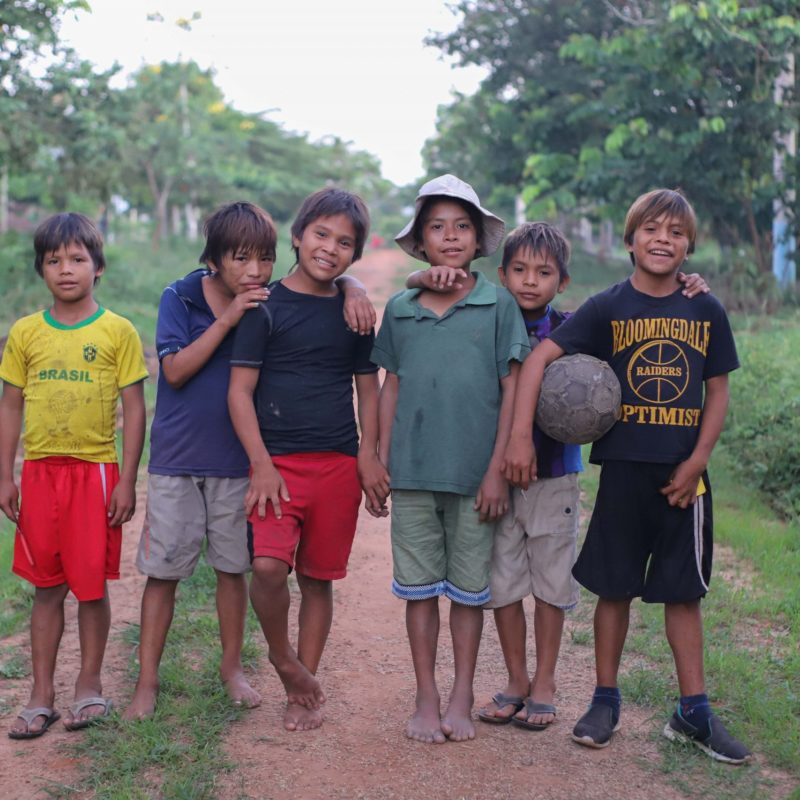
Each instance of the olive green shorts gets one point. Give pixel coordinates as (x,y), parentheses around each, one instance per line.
(439,547)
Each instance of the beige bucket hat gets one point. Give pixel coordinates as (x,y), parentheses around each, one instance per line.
(449,186)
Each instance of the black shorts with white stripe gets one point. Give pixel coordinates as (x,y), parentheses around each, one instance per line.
(638,545)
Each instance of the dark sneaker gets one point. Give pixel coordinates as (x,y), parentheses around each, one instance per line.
(595,727)
(712,738)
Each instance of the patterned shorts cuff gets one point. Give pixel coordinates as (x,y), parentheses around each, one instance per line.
(466,598)
(424,592)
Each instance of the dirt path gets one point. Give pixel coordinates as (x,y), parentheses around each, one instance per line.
(361,751)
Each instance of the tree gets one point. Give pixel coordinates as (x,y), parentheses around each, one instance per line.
(608,99)
(28,31)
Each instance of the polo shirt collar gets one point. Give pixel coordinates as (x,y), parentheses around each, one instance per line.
(483,293)
(190,288)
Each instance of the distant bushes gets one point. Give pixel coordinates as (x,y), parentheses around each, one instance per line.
(763,428)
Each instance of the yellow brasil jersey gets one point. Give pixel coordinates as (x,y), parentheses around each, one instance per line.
(70,376)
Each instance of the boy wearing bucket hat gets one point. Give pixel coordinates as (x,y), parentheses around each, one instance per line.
(451,362)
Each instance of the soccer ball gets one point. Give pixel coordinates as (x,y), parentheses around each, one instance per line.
(579,400)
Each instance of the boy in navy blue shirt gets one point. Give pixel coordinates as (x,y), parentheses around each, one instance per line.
(198,469)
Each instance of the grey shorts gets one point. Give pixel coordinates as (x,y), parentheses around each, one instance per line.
(535,545)
(183,511)
(439,547)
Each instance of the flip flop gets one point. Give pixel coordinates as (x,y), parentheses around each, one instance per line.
(501,700)
(28,715)
(79,705)
(532,707)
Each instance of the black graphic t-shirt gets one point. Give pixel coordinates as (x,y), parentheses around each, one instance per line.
(661,349)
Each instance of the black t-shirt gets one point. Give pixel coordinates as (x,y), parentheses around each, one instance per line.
(307,358)
(661,349)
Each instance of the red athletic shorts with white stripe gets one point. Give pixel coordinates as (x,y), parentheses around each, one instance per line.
(63,535)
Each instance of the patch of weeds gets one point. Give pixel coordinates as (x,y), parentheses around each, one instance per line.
(16,595)
(15,665)
(580,637)
(646,686)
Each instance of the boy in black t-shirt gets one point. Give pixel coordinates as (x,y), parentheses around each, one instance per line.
(291,402)
(650,535)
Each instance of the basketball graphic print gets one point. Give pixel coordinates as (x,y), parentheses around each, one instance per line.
(658,372)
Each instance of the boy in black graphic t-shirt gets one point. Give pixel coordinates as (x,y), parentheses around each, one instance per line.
(650,535)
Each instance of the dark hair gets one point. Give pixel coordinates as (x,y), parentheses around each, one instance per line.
(655,204)
(475,217)
(328,203)
(239,227)
(63,229)
(538,237)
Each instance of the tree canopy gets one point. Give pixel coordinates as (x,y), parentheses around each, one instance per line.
(588,104)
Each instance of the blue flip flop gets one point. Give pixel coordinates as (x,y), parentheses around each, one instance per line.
(501,700)
(532,707)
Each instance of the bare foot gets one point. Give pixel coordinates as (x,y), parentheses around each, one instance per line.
(425,725)
(302,688)
(143,703)
(457,722)
(299,718)
(240,691)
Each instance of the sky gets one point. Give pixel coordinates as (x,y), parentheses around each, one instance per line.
(357,69)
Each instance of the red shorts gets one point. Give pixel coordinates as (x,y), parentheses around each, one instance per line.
(315,533)
(63,534)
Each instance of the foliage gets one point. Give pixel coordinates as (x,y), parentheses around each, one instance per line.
(588,104)
(763,430)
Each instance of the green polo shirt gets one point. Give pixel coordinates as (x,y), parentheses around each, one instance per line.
(449,370)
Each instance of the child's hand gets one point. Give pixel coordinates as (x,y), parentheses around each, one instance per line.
(359,313)
(375,482)
(122,503)
(491,501)
(681,489)
(241,302)
(443,279)
(266,486)
(519,462)
(693,284)
(9,500)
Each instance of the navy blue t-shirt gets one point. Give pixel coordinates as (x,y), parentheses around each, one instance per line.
(553,459)
(307,357)
(192,432)
(662,349)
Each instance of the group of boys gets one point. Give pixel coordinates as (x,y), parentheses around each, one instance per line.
(255,452)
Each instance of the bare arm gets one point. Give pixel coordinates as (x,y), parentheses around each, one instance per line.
(682,487)
(122,503)
(186,363)
(359,313)
(387,404)
(372,473)
(266,483)
(519,463)
(11,406)
(492,499)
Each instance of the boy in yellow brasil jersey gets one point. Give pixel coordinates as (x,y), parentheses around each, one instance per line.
(65,368)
